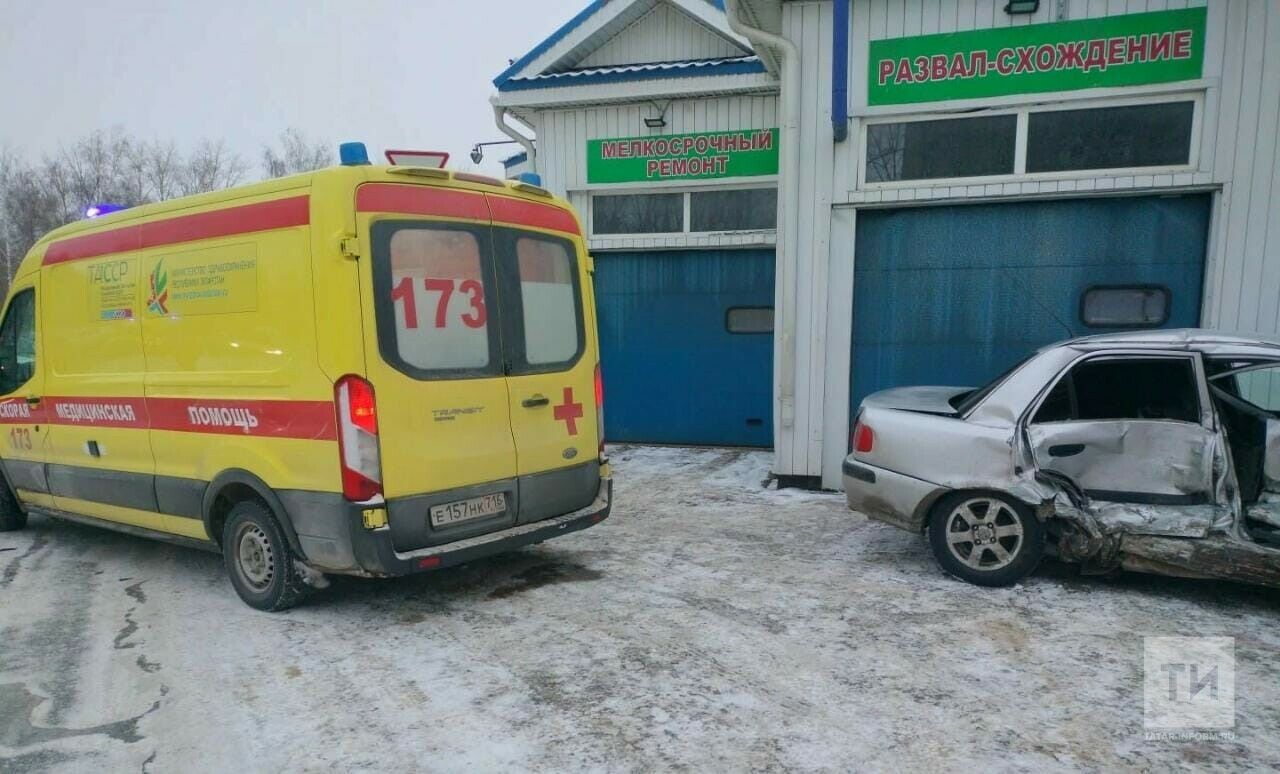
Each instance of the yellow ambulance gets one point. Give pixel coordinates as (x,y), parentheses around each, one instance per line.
(365,370)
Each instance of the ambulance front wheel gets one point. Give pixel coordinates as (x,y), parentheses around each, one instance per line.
(259,560)
(12,517)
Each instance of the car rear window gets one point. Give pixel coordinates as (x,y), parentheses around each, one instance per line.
(967,400)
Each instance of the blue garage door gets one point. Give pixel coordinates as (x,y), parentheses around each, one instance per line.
(956,295)
(673,372)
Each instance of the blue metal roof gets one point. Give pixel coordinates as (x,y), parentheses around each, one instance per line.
(565,29)
(691,68)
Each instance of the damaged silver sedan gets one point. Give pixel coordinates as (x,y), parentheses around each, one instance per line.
(1155,452)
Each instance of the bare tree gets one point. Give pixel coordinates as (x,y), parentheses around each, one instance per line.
(211,167)
(156,169)
(106,166)
(29,208)
(96,169)
(297,154)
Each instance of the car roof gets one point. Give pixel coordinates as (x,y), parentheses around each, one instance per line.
(1173,338)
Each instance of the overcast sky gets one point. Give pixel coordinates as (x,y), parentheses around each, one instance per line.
(409,74)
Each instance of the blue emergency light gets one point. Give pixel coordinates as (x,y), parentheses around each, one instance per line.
(98,210)
(353,154)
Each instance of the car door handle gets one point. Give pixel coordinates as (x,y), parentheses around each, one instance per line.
(1066,449)
(535,401)
(33,400)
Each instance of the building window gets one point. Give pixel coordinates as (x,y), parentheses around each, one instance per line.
(637,214)
(749,319)
(1124,306)
(924,150)
(733,210)
(1150,135)
(715,209)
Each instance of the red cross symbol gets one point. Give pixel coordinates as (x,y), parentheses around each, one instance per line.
(569,412)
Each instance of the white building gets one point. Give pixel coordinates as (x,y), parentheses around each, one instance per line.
(958,181)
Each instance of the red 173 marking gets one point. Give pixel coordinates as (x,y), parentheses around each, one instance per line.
(474,317)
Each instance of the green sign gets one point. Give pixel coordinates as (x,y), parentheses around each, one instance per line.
(1127,50)
(700,156)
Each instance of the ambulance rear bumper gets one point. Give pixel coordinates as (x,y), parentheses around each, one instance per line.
(361,551)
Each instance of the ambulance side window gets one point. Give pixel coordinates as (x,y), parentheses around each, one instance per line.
(18,342)
(544,278)
(434,288)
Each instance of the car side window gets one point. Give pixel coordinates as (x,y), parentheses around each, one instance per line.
(1259,387)
(1124,388)
(18,342)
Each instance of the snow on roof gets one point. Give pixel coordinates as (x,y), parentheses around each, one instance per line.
(639,72)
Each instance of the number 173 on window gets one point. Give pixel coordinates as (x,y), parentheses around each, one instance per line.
(473,316)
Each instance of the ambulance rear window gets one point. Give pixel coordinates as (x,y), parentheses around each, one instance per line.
(433,291)
(548,301)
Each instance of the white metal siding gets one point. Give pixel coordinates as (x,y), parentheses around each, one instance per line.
(799,448)
(664,34)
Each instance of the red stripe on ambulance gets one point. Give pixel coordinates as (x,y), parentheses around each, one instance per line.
(96,412)
(524,213)
(421,200)
(304,419)
(245,219)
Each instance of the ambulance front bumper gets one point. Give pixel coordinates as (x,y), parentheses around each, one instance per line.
(370,552)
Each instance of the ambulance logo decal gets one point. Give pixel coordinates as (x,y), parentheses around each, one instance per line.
(159,298)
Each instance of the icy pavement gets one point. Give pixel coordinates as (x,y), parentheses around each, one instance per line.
(709,624)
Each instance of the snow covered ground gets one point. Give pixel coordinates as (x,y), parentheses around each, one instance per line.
(709,624)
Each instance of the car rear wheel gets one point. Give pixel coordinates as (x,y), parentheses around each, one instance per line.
(259,560)
(986,538)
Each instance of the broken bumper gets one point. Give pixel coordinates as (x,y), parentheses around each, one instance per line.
(887,496)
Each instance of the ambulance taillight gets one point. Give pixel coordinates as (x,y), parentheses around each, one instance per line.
(600,409)
(358,439)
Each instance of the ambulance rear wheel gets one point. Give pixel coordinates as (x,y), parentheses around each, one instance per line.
(259,560)
(12,517)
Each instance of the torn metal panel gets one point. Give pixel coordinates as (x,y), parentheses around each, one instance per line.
(1222,558)
(1193,521)
(1128,456)
(1266,510)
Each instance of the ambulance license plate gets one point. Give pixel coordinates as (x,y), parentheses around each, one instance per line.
(466,510)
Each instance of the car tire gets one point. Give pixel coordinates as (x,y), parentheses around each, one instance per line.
(12,517)
(986,538)
(258,559)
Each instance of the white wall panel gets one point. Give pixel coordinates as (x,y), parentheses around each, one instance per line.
(665,34)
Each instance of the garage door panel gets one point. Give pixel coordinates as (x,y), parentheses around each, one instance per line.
(956,295)
(672,372)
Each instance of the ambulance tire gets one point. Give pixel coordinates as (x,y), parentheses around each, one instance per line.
(12,517)
(258,559)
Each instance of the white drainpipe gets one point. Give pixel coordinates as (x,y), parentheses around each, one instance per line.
(500,118)
(789,195)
